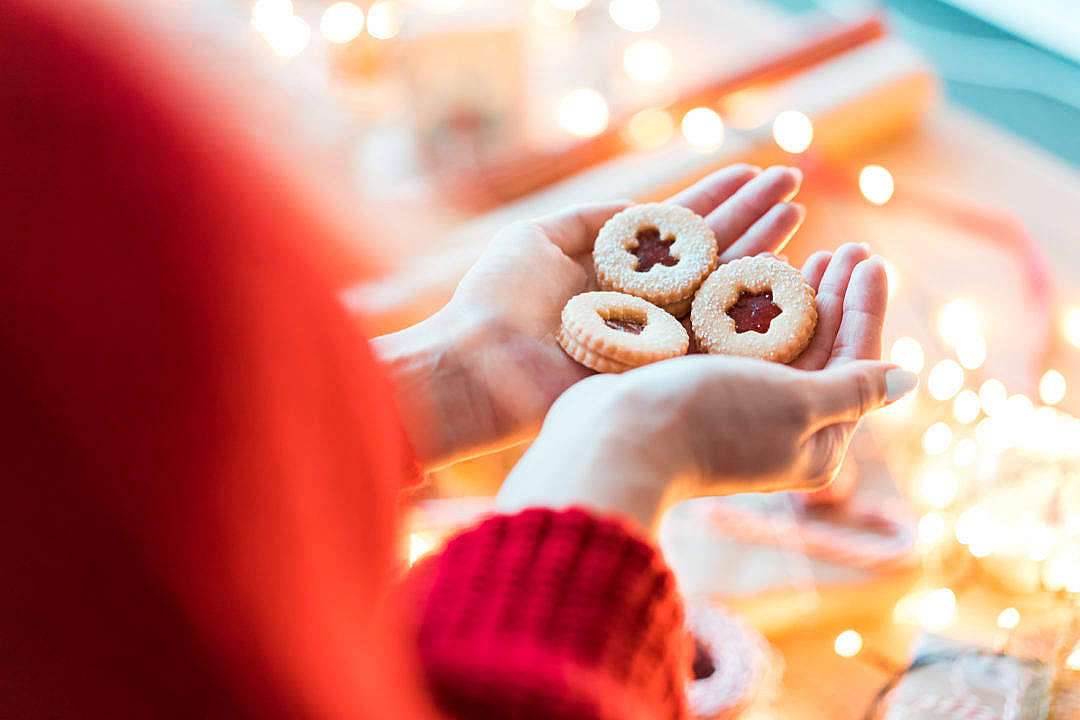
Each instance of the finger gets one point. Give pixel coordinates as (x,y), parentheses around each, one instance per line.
(847,392)
(859,336)
(824,453)
(735,216)
(814,267)
(574,229)
(703,196)
(830,305)
(769,234)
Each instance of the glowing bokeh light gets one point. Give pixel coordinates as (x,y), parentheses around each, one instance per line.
(945,379)
(958,321)
(703,129)
(965,452)
(908,354)
(1008,618)
(267,13)
(971,352)
(1071,322)
(418,547)
(647,61)
(848,644)
(570,5)
(635,15)
(876,184)
(931,528)
(651,127)
(342,22)
(547,14)
(938,487)
(1052,387)
(793,131)
(287,37)
(936,609)
(992,395)
(972,525)
(383,22)
(966,406)
(583,112)
(937,439)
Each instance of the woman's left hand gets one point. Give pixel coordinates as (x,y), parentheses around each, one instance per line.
(484,370)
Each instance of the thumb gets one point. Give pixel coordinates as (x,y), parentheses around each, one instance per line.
(849,391)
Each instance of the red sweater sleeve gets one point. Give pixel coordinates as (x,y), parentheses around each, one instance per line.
(549,614)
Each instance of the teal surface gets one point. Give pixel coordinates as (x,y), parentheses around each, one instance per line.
(1023,88)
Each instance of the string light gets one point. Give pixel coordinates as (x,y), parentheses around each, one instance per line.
(937,439)
(966,406)
(931,528)
(938,487)
(651,127)
(958,321)
(583,112)
(793,131)
(1009,618)
(418,547)
(876,184)
(342,22)
(848,644)
(908,354)
(547,14)
(936,609)
(965,452)
(945,379)
(635,15)
(1072,326)
(971,352)
(647,61)
(992,395)
(703,129)
(1052,387)
(382,20)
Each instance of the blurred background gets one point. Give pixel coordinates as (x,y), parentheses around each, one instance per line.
(942,132)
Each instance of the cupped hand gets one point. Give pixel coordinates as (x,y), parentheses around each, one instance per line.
(518,287)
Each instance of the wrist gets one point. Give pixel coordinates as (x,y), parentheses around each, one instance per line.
(443,411)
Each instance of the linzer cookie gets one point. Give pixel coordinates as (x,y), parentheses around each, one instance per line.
(614,332)
(755,307)
(658,252)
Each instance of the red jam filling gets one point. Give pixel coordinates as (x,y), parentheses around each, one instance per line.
(753,311)
(634,328)
(703,665)
(651,250)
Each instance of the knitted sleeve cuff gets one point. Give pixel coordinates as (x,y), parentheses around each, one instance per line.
(552,614)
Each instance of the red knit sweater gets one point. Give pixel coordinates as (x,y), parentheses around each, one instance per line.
(200,460)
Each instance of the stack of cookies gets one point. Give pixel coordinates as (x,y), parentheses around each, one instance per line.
(656,263)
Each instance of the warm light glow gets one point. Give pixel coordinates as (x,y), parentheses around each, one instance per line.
(1052,387)
(931,528)
(993,434)
(703,129)
(342,22)
(937,439)
(545,13)
(647,61)
(938,487)
(958,321)
(965,452)
(443,7)
(892,274)
(583,112)
(651,127)
(418,547)
(287,36)
(972,526)
(971,352)
(945,379)
(1009,618)
(876,184)
(571,5)
(992,395)
(981,547)
(792,131)
(1017,411)
(936,609)
(1073,661)
(966,406)
(1062,570)
(1040,543)
(635,15)
(908,354)
(1072,326)
(848,644)
(383,21)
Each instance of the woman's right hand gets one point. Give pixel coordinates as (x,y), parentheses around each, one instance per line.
(710,425)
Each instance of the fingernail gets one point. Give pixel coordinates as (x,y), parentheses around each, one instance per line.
(866,245)
(797,171)
(799,207)
(898,383)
